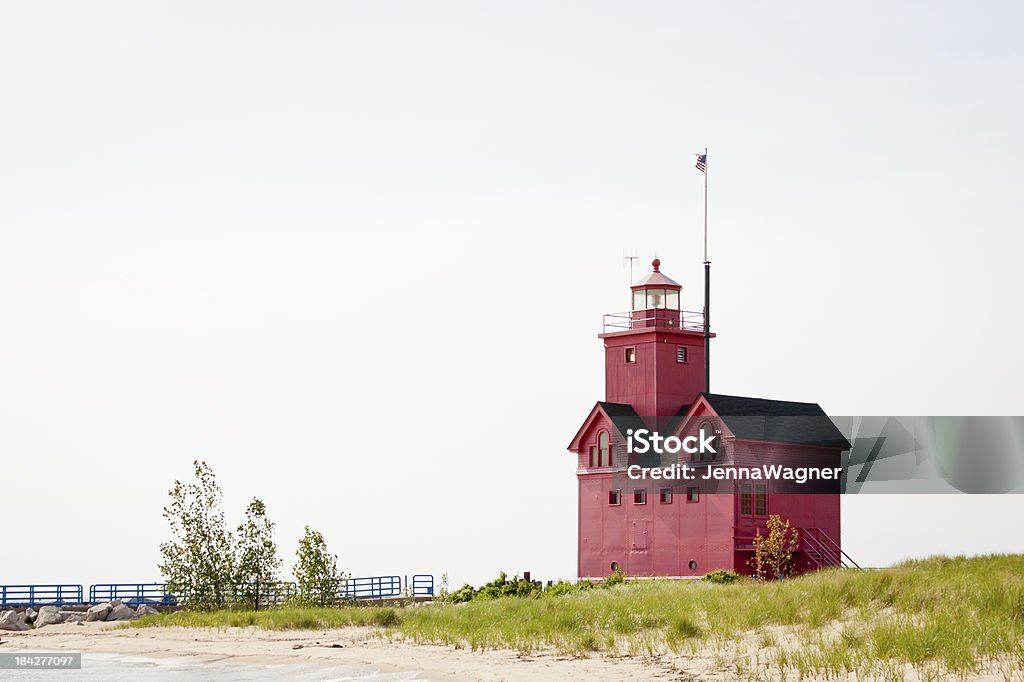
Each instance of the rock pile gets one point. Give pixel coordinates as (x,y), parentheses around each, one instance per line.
(51,615)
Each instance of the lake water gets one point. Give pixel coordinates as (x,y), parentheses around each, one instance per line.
(105,667)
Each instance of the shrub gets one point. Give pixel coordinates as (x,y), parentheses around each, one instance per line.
(616,577)
(503,587)
(463,594)
(721,576)
(562,588)
(773,552)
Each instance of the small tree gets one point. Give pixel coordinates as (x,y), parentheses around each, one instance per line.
(256,562)
(197,561)
(773,551)
(316,571)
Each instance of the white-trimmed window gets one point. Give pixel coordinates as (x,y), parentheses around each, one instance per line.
(604,450)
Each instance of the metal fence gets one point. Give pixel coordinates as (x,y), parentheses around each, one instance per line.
(373,587)
(39,595)
(423,585)
(156,594)
(134,594)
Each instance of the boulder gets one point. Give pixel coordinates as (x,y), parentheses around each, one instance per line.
(98,612)
(12,621)
(29,615)
(72,616)
(120,612)
(146,610)
(48,615)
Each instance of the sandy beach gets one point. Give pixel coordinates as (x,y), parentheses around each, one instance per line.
(367,649)
(344,647)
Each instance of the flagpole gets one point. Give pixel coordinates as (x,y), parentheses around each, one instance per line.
(707,286)
(705,204)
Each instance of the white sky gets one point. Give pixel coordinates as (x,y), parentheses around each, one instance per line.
(355,255)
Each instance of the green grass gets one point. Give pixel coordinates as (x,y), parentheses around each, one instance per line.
(939,615)
(276,619)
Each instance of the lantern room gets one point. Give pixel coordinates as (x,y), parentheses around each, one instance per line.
(655,300)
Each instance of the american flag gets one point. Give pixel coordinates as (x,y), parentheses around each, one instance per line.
(702,160)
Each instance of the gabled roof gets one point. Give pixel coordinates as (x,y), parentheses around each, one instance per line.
(779,421)
(622,417)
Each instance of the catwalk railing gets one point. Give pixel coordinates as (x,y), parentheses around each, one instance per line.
(655,318)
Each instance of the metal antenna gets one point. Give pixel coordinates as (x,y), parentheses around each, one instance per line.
(629,257)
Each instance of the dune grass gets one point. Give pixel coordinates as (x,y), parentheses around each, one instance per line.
(938,616)
(277,619)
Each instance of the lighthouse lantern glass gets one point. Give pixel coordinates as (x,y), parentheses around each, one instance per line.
(646,299)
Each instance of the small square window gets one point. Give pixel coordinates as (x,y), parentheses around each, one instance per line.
(631,354)
(666,495)
(640,496)
(681,355)
(693,494)
(614,497)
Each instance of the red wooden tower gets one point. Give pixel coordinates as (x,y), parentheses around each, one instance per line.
(654,379)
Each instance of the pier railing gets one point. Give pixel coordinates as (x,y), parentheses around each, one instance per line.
(156,594)
(373,587)
(133,594)
(39,595)
(423,585)
(387,586)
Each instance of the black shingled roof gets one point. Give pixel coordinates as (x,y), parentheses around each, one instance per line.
(623,416)
(779,421)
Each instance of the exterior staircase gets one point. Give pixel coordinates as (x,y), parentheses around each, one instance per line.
(822,550)
(814,543)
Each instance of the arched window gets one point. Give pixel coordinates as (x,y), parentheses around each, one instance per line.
(708,429)
(604,450)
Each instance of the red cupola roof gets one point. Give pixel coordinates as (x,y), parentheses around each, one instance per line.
(656,278)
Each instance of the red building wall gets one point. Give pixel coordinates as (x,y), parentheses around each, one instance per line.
(655,385)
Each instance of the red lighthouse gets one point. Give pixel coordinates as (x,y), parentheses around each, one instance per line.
(654,380)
